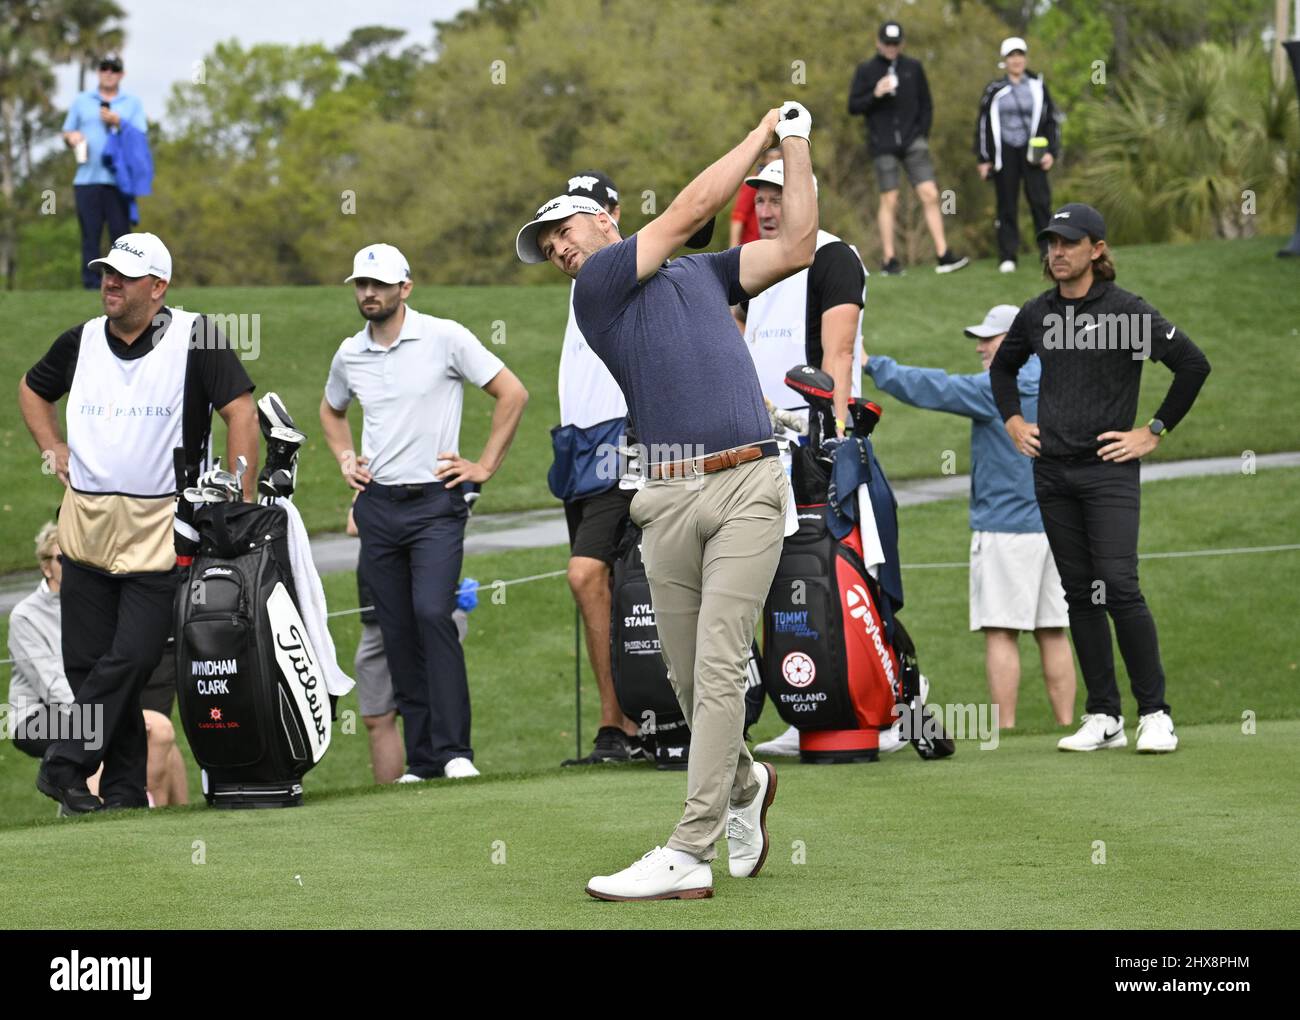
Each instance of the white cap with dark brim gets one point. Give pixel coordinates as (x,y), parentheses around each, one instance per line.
(774,173)
(997,322)
(561,207)
(1013,43)
(136,255)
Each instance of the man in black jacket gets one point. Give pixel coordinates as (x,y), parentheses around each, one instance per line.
(891,91)
(1017,138)
(1092,338)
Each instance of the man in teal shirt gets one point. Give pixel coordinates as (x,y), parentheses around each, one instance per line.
(91,117)
(1014,584)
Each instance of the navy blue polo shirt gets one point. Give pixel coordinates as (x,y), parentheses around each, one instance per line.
(673,348)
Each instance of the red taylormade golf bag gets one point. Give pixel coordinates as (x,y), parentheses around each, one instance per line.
(836,656)
(250,687)
(640,673)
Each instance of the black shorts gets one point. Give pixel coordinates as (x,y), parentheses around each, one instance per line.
(596,521)
(159,692)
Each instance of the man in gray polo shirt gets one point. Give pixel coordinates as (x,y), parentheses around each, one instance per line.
(408,370)
(713,511)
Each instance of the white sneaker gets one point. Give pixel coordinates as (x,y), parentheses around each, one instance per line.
(658,875)
(747,840)
(1156,734)
(1006,266)
(784,746)
(1097,732)
(409,777)
(460,768)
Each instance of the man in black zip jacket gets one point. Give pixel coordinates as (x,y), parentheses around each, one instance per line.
(1092,338)
(891,91)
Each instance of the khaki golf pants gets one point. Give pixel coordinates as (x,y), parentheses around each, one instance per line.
(710,546)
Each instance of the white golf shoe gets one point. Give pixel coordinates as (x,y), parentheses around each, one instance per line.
(409,777)
(1096,733)
(747,840)
(784,746)
(658,875)
(460,768)
(1156,734)
(1006,266)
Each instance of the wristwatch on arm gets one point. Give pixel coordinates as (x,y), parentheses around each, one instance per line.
(1156,426)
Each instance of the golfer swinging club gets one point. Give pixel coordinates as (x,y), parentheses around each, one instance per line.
(713,508)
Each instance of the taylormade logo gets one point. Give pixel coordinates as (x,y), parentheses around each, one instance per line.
(75,973)
(859,603)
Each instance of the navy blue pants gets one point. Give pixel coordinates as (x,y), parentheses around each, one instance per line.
(412,545)
(97,205)
(1090,513)
(115,630)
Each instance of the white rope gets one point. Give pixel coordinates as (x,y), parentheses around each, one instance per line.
(1181,554)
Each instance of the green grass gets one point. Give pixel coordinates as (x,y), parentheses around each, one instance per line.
(996,839)
(1234,298)
(1004,837)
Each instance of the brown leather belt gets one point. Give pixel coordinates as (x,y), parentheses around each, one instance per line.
(712,462)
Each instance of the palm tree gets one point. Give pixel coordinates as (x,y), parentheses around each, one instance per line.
(1196,144)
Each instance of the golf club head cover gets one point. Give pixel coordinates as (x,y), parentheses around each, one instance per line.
(280,472)
(865,415)
(818,388)
(795,122)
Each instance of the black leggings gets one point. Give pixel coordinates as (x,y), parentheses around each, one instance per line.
(1038,192)
(1090,513)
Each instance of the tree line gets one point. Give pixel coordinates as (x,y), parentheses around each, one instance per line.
(277,162)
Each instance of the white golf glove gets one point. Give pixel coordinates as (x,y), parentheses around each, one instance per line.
(795,121)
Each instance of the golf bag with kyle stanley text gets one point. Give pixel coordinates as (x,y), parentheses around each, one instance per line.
(640,672)
(836,654)
(251,689)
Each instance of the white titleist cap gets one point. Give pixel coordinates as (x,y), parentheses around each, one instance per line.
(380,262)
(998,320)
(1010,45)
(774,173)
(561,207)
(136,255)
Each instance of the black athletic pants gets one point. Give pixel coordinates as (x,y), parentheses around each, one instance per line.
(114,632)
(412,544)
(1090,513)
(97,205)
(1006,182)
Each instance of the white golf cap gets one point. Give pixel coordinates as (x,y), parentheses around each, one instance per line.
(998,321)
(136,255)
(380,262)
(1013,43)
(561,207)
(774,173)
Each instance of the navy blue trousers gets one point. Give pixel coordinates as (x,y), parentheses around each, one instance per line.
(97,205)
(412,545)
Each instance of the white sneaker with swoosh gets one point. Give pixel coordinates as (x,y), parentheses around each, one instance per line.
(1096,733)
(1156,733)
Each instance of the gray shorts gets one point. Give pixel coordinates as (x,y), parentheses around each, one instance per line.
(374,681)
(916,160)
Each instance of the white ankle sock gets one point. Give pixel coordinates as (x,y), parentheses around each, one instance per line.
(681,858)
